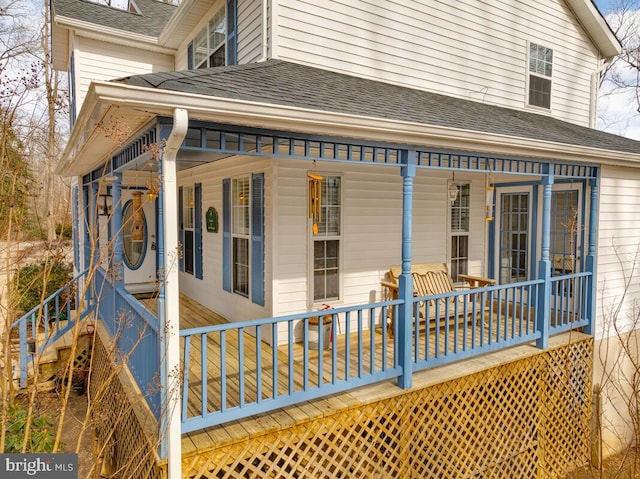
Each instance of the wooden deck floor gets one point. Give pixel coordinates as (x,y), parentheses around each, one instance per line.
(257,367)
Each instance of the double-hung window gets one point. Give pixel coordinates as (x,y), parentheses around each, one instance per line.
(190,224)
(540,70)
(326,238)
(240,234)
(243,237)
(215,44)
(459,231)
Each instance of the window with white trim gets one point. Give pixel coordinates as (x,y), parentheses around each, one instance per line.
(326,239)
(240,234)
(540,72)
(188,224)
(459,214)
(208,48)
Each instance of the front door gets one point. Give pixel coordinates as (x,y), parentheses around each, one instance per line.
(514,235)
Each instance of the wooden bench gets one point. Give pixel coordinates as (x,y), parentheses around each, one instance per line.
(431,279)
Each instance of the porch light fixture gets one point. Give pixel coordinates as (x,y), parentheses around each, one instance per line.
(106,204)
(452,191)
(152,188)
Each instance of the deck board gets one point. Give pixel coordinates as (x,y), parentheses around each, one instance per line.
(193,314)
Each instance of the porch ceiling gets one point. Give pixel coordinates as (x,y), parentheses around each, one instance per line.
(296,98)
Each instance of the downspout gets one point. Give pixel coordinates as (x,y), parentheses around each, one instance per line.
(169,313)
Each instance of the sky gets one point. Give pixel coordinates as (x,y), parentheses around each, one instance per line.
(617,113)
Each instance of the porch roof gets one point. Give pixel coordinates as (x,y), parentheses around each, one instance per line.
(291,97)
(290,84)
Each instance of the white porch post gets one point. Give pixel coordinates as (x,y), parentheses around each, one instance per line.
(169,315)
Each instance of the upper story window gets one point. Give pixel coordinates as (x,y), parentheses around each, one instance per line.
(215,45)
(540,70)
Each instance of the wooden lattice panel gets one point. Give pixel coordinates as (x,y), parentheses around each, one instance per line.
(525,419)
(127,451)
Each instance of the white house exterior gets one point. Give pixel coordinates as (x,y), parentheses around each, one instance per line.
(386,101)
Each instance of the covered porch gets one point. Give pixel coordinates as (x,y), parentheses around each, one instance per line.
(251,366)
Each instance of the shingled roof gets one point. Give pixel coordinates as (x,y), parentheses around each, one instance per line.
(152,18)
(284,83)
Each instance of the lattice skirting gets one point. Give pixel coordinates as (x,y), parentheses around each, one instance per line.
(525,419)
(126,451)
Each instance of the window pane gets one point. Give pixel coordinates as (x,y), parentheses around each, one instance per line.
(539,91)
(188,251)
(330,221)
(241,266)
(187,201)
(240,202)
(200,49)
(217,32)
(326,269)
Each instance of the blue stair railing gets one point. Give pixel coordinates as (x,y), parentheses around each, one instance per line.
(57,314)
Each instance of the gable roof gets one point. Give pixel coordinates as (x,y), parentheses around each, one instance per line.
(152,18)
(283,83)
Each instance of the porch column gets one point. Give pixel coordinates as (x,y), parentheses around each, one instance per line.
(94,226)
(405,281)
(116,229)
(543,313)
(591,255)
(169,315)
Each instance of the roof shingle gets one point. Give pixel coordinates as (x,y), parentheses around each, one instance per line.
(284,83)
(152,18)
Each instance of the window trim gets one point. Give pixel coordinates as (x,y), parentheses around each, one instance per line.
(143,255)
(530,73)
(451,233)
(228,46)
(243,236)
(312,302)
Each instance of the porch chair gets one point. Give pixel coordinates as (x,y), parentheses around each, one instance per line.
(431,279)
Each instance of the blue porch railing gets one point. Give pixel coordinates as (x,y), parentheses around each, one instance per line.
(56,315)
(231,372)
(570,296)
(135,332)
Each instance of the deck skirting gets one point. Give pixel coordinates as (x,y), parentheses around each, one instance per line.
(523,414)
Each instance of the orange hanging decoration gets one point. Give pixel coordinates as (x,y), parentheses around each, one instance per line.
(137,220)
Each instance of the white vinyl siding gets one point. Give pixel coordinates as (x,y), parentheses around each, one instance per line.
(96,60)
(372,217)
(249,31)
(442,46)
(619,230)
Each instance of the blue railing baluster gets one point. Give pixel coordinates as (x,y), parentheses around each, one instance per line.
(223,371)
(360,345)
(334,351)
(204,373)
(347,345)
(274,360)
(305,355)
(290,358)
(241,365)
(186,358)
(259,363)
(372,342)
